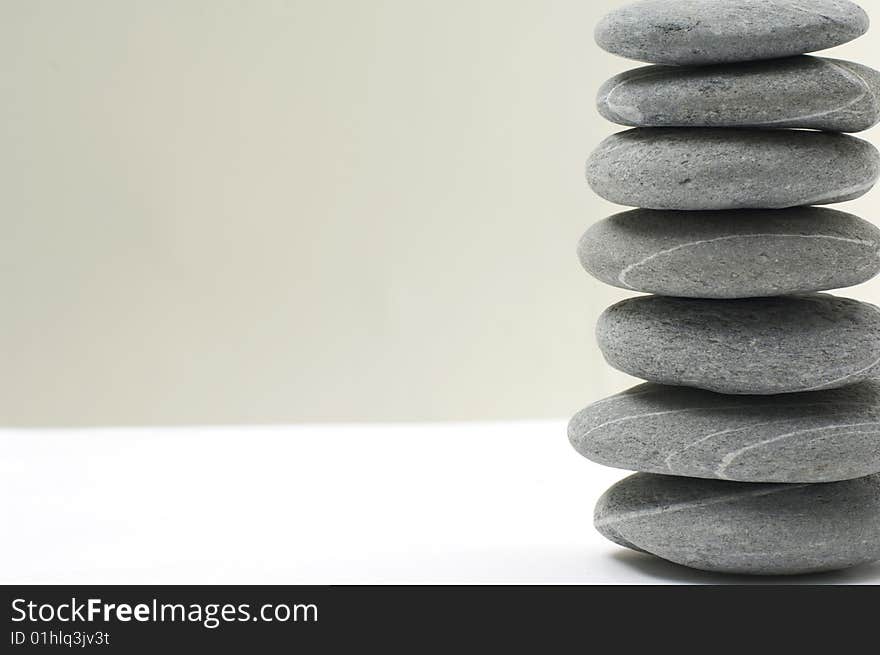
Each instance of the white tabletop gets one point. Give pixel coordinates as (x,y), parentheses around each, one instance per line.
(450,503)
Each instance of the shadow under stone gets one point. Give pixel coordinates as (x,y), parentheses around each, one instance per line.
(657,568)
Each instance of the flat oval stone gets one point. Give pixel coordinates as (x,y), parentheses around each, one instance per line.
(819,436)
(735,527)
(755,346)
(800,92)
(722,31)
(733,254)
(718,168)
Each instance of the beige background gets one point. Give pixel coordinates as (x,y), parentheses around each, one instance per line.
(302,210)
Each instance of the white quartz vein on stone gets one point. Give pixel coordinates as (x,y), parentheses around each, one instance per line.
(740,406)
(633,115)
(852,76)
(849,375)
(628,112)
(847,192)
(720,433)
(679,507)
(729,458)
(632,267)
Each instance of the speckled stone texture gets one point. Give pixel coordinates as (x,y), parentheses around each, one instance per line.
(733,254)
(734,527)
(821,436)
(756,346)
(717,168)
(757,436)
(799,92)
(720,31)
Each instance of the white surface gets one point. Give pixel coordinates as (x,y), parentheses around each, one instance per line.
(455,503)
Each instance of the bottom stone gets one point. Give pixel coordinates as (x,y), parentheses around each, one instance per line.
(746,528)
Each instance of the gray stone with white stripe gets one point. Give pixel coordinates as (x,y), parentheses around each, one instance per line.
(821,436)
(735,527)
(734,254)
(800,92)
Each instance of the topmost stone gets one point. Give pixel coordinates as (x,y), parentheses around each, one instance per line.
(695,32)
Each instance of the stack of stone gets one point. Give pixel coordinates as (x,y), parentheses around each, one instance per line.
(757,437)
